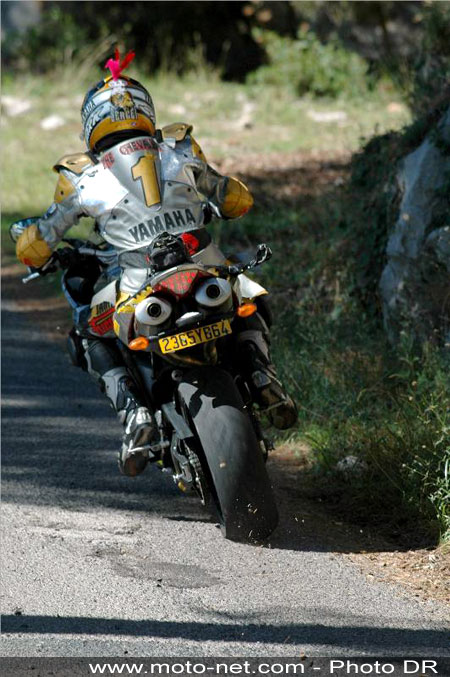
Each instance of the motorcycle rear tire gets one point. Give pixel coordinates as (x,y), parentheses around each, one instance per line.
(230,453)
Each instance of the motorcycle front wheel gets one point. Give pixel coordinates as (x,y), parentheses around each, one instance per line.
(230,454)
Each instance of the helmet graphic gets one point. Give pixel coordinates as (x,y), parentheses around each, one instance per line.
(117,106)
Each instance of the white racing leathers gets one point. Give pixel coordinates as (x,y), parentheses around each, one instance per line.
(136,190)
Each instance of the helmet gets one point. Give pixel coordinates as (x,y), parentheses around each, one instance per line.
(116,108)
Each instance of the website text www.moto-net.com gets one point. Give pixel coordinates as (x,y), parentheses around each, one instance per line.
(330,667)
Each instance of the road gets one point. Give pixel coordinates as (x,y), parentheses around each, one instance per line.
(96,564)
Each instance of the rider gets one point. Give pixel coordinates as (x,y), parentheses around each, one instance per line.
(137,181)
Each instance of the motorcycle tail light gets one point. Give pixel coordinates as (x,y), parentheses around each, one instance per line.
(178,284)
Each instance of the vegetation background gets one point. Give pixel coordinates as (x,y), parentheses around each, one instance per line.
(313,104)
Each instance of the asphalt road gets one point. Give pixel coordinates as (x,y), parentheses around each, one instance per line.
(96,564)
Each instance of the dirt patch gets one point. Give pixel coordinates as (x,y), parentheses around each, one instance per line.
(425,573)
(288,179)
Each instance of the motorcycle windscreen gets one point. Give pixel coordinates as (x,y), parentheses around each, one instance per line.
(137,165)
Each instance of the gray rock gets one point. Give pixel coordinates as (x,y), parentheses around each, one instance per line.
(415,282)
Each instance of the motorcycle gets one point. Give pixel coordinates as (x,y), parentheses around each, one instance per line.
(176,338)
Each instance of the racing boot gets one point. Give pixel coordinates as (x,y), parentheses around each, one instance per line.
(268,392)
(139,427)
(105,364)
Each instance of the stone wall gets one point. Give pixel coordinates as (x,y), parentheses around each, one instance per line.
(415,283)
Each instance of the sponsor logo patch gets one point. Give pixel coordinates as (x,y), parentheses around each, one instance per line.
(101,320)
(133,146)
(122,107)
(174,220)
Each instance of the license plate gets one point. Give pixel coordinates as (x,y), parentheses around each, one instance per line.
(169,344)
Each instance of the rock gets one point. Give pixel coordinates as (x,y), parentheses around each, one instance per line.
(177,109)
(52,122)
(12,105)
(245,119)
(414,285)
(438,245)
(351,466)
(396,108)
(327,116)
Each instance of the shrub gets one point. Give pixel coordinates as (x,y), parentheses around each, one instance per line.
(307,66)
(430,76)
(398,427)
(49,45)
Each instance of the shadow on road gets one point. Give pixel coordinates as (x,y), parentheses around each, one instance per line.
(357,637)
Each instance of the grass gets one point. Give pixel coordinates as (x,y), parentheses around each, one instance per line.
(356,396)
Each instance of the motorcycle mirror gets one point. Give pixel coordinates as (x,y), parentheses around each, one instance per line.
(263,253)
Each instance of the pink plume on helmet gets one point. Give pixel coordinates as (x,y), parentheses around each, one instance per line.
(116,66)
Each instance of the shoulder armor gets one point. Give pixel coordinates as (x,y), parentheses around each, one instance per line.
(197,151)
(75,163)
(177,131)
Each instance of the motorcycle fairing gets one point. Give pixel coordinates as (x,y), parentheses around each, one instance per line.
(102,310)
(247,289)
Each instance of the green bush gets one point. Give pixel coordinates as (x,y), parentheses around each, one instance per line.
(430,72)
(398,427)
(163,35)
(309,67)
(50,45)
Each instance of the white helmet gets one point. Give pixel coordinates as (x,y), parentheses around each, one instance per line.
(116,108)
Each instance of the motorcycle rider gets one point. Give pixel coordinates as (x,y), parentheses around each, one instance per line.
(136,182)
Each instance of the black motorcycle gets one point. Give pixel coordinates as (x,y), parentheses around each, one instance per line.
(177,340)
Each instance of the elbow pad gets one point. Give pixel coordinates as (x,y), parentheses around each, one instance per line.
(238,199)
